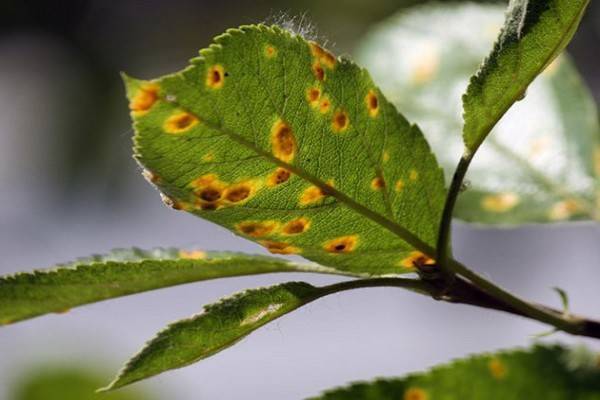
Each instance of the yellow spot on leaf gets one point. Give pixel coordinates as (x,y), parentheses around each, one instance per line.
(325,105)
(208,157)
(318,71)
(497,368)
(413,175)
(257,228)
(415,393)
(280,247)
(215,76)
(270,51)
(313,194)
(340,121)
(283,141)
(501,202)
(322,55)
(192,254)
(416,259)
(399,185)
(144,99)
(372,103)
(385,156)
(180,122)
(296,226)
(563,210)
(313,95)
(281,175)
(377,183)
(344,244)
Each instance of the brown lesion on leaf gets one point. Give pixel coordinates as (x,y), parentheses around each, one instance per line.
(340,121)
(417,259)
(344,244)
(318,71)
(180,122)
(283,141)
(239,192)
(279,247)
(279,176)
(257,228)
(377,183)
(215,76)
(372,103)
(324,105)
(144,98)
(313,96)
(296,226)
(270,51)
(322,55)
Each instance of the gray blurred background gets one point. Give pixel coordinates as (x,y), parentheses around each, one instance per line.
(70,188)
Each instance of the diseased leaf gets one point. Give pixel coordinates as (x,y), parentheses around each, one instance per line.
(123,272)
(534,34)
(274,138)
(220,325)
(545,372)
(541,162)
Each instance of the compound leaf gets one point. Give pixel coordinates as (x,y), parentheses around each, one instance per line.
(276,139)
(545,372)
(534,34)
(124,272)
(221,325)
(541,162)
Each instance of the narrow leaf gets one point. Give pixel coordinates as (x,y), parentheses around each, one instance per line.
(220,325)
(541,162)
(535,32)
(276,139)
(124,272)
(545,372)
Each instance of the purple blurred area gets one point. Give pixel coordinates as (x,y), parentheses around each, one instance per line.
(70,188)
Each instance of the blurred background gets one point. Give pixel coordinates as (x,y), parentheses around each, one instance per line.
(71,188)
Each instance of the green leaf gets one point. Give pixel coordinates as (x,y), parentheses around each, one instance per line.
(221,325)
(124,272)
(545,372)
(534,34)
(274,138)
(541,162)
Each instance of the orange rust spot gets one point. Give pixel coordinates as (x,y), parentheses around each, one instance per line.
(415,393)
(215,77)
(256,228)
(497,368)
(296,226)
(311,195)
(180,122)
(399,185)
(417,259)
(325,105)
(210,194)
(377,183)
(279,247)
(281,175)
(372,103)
(340,121)
(322,55)
(283,141)
(204,180)
(313,95)
(318,71)
(192,254)
(270,51)
(144,99)
(239,192)
(344,244)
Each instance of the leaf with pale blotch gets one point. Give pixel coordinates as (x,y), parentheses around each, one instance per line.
(534,34)
(276,139)
(220,326)
(124,272)
(544,372)
(540,164)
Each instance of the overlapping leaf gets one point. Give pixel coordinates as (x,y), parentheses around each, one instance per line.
(276,139)
(124,272)
(540,164)
(545,372)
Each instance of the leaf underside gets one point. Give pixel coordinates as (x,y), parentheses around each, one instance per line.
(540,164)
(545,372)
(124,272)
(221,325)
(277,140)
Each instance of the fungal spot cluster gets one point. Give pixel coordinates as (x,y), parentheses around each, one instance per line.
(340,121)
(279,176)
(283,141)
(417,259)
(501,202)
(377,183)
(180,122)
(497,368)
(144,99)
(212,193)
(215,76)
(321,58)
(344,244)
(415,393)
(372,104)
(279,247)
